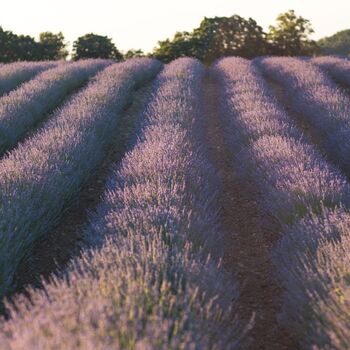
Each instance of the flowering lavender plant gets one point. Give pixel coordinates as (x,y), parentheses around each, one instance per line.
(14,74)
(41,175)
(25,107)
(303,191)
(146,283)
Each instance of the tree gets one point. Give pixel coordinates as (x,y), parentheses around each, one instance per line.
(7,39)
(337,44)
(95,46)
(290,36)
(25,48)
(52,46)
(183,44)
(230,36)
(17,47)
(214,38)
(134,53)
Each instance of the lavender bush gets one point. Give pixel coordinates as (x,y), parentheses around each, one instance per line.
(14,74)
(337,68)
(313,259)
(292,176)
(305,193)
(318,99)
(42,174)
(25,107)
(147,283)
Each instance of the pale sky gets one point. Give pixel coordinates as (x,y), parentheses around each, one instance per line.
(140,24)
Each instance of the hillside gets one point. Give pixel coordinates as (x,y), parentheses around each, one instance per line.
(336,44)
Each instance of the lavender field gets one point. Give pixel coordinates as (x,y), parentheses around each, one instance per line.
(175,206)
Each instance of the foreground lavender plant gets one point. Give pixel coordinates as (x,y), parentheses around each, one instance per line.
(25,107)
(144,285)
(14,74)
(313,259)
(40,176)
(318,99)
(300,189)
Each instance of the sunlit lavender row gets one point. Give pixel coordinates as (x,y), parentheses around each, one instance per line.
(25,107)
(147,284)
(313,254)
(292,176)
(317,98)
(42,174)
(313,259)
(336,67)
(298,187)
(14,74)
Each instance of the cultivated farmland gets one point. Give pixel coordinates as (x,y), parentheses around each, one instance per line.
(177,206)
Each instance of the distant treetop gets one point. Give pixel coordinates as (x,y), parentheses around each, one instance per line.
(95,46)
(214,38)
(53,46)
(290,36)
(134,53)
(236,36)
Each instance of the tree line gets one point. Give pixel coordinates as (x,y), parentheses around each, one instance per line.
(215,37)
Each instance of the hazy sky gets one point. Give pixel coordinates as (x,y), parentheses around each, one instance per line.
(140,24)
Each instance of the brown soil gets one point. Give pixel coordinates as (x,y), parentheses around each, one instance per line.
(248,241)
(52,252)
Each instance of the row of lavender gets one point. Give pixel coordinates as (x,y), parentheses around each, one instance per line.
(147,283)
(25,107)
(338,68)
(313,255)
(14,74)
(316,97)
(298,188)
(40,176)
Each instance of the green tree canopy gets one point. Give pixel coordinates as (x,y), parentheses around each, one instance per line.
(134,53)
(7,39)
(337,44)
(290,36)
(183,44)
(95,46)
(214,38)
(17,47)
(230,36)
(52,46)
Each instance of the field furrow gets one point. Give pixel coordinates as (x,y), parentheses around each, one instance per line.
(148,283)
(12,75)
(43,174)
(24,108)
(178,206)
(248,241)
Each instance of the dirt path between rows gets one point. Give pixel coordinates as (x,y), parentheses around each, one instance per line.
(247,242)
(52,252)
